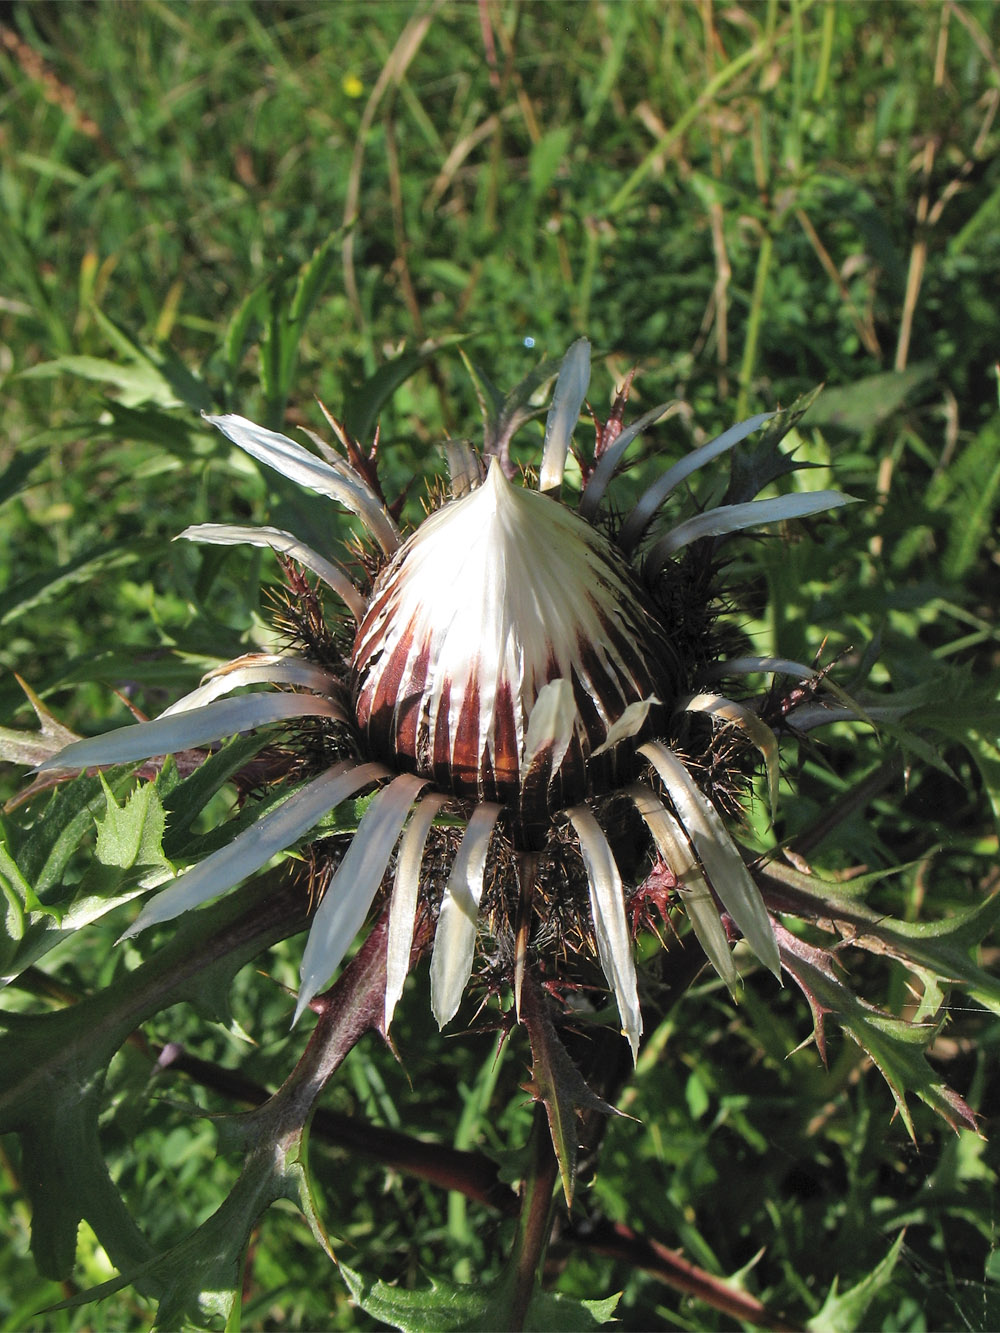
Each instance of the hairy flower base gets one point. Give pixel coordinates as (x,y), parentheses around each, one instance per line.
(510,666)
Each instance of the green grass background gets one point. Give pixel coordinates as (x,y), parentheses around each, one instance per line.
(744,200)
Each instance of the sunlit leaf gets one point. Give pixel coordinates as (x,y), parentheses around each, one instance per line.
(478,1308)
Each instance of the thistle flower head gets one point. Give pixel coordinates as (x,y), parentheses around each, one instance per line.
(502,645)
(518,663)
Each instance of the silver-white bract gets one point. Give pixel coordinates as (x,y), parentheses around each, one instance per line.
(503,591)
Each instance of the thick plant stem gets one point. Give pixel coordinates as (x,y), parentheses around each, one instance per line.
(534,1225)
(527,866)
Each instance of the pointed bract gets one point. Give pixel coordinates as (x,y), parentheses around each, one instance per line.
(629,724)
(760,735)
(651,499)
(253,848)
(750,666)
(189,730)
(299,465)
(607,905)
(593,492)
(464,468)
(349,895)
(552,724)
(737,518)
(405,898)
(726,870)
(567,400)
(455,937)
(692,887)
(254,669)
(276,539)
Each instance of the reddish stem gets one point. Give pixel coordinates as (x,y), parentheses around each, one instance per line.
(534,1226)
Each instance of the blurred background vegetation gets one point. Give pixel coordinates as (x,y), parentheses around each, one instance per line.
(245,207)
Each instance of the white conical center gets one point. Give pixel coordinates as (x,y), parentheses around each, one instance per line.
(494,596)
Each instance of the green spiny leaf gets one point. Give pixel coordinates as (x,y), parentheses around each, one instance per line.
(896,1046)
(557,1083)
(16,891)
(62,1168)
(131,834)
(201,1276)
(189,797)
(940,950)
(758,463)
(52,1071)
(445,1306)
(199,1279)
(844,1312)
(47,851)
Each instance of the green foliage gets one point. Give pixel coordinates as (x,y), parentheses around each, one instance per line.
(131,834)
(243,208)
(444,1306)
(842,1312)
